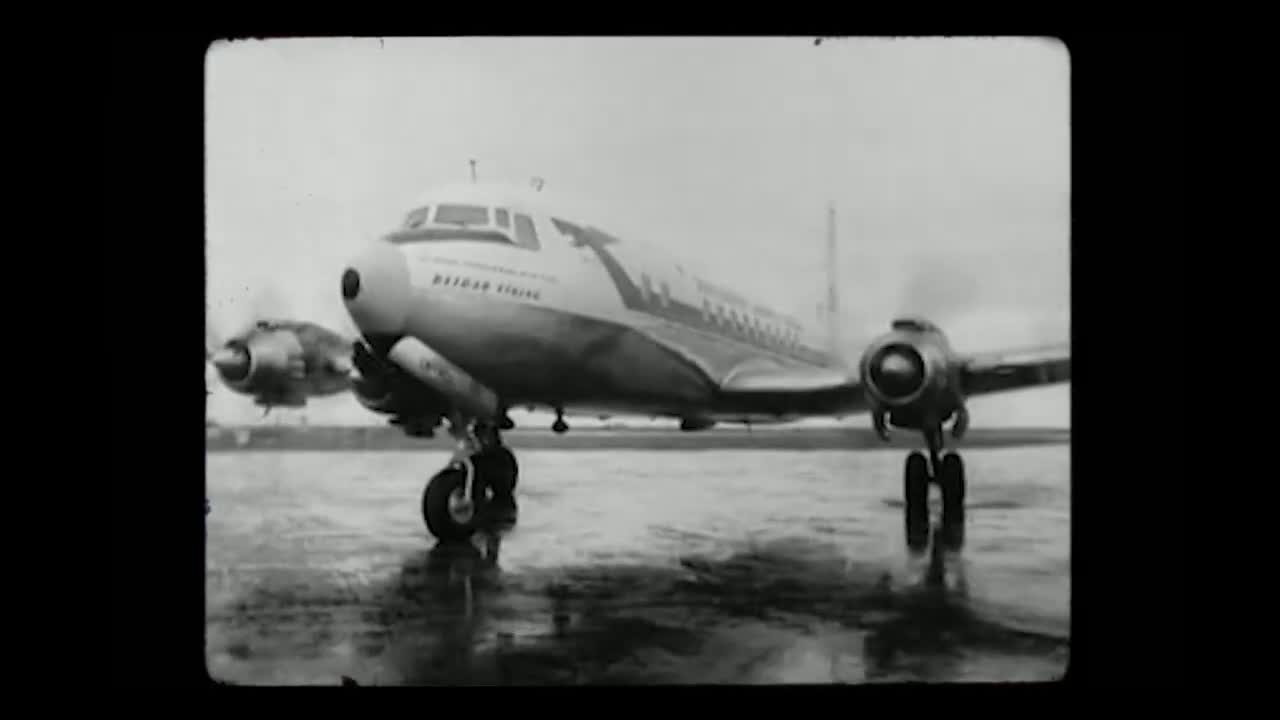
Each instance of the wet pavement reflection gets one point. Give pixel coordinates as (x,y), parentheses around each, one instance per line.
(783,608)
(785,612)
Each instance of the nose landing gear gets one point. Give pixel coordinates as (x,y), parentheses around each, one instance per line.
(477,488)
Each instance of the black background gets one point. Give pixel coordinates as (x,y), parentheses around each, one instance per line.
(1127,148)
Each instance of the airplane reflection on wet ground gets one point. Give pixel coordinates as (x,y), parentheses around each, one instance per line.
(785,612)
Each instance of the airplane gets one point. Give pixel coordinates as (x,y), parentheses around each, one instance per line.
(490,296)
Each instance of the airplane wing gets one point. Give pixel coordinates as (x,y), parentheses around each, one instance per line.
(1003,371)
(760,386)
(765,388)
(771,377)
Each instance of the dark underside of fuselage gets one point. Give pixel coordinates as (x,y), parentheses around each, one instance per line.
(793,403)
(533,355)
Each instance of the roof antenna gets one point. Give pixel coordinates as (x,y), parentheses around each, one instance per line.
(473,171)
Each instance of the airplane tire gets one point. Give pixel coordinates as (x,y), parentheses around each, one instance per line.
(952,483)
(439,499)
(916,494)
(499,469)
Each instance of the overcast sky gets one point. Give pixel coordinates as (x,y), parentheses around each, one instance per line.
(947,161)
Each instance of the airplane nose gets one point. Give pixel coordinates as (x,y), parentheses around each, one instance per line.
(375,288)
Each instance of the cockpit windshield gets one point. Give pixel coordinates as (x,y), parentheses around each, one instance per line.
(461,215)
(913,324)
(467,223)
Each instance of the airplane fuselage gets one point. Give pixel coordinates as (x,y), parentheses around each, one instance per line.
(550,311)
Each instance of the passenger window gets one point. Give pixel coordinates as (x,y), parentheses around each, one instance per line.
(526,235)
(501,217)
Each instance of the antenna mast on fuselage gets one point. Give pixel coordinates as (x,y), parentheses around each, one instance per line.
(473,171)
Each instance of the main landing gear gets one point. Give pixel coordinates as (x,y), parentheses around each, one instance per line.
(476,489)
(947,471)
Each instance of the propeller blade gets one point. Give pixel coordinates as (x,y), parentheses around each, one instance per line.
(212,339)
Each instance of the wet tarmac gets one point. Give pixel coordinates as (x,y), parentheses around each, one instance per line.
(741,567)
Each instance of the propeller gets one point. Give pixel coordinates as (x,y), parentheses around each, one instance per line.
(212,343)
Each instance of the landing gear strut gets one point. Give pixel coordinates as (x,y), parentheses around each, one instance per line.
(945,470)
(477,488)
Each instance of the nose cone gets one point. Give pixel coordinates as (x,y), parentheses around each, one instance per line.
(897,367)
(232,364)
(375,288)
(898,373)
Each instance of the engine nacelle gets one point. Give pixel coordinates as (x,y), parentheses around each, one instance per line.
(261,363)
(374,394)
(383,387)
(436,372)
(906,374)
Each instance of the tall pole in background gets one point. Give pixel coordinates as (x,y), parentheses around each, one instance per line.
(835,338)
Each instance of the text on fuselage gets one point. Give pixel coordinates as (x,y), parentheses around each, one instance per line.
(485,286)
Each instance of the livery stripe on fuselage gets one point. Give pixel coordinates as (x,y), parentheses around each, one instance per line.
(670,309)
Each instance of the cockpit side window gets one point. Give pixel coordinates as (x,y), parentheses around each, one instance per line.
(526,234)
(501,216)
(462,215)
(416,219)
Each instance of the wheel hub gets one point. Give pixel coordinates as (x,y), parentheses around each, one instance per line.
(461,508)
